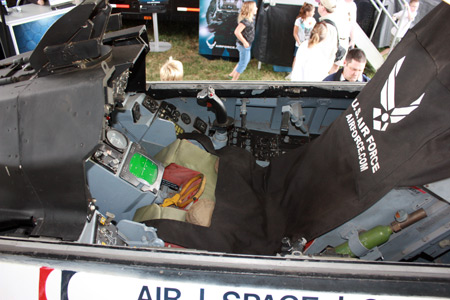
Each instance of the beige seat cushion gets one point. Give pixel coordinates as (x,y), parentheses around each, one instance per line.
(154,211)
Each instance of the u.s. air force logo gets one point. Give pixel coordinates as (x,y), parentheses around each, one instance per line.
(382,117)
(366,145)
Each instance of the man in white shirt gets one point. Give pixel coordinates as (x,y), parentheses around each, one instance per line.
(346,9)
(326,11)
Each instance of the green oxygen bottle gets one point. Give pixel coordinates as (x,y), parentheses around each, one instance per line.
(380,234)
(369,239)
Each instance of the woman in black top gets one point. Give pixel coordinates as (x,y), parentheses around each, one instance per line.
(245,33)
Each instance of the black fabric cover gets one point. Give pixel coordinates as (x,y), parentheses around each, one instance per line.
(274,43)
(240,223)
(314,189)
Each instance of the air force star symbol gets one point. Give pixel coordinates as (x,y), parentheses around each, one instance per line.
(382,117)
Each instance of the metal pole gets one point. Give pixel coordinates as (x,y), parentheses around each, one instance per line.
(374,4)
(155,30)
(381,4)
(393,43)
(158,46)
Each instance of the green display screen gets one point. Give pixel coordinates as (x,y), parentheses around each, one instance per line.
(143,168)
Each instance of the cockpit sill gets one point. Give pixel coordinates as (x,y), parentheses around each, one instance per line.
(328,277)
(73,186)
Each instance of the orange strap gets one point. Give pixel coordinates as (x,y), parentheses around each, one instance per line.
(182,198)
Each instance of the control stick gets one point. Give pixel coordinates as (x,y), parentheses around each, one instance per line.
(222,121)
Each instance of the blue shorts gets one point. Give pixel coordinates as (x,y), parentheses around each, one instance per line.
(244,57)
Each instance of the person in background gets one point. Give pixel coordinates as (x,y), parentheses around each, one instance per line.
(343,16)
(303,25)
(245,34)
(310,64)
(404,17)
(353,69)
(326,11)
(347,11)
(172,70)
(38,2)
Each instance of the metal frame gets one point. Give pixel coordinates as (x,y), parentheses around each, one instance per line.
(335,275)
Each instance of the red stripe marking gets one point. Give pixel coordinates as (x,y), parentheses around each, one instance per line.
(44,272)
(419,189)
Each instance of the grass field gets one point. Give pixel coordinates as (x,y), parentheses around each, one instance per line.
(184,40)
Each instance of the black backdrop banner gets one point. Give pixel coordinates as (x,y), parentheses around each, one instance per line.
(274,43)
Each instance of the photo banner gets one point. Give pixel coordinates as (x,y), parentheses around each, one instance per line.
(217,22)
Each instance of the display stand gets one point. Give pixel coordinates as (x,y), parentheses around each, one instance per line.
(158,46)
(28,23)
(5,41)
